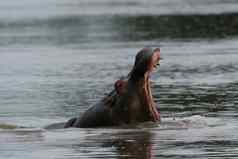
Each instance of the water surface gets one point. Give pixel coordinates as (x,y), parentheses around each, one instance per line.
(58,58)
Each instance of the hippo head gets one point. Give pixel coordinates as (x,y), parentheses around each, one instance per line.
(132,100)
(146,61)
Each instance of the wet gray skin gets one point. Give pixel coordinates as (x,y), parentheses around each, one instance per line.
(130,102)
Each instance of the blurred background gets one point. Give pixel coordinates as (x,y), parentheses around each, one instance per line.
(58,57)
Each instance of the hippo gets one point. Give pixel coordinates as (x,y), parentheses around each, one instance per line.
(131,100)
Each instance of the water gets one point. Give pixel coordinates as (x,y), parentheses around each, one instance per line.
(60,57)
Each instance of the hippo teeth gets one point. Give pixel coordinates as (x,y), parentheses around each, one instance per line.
(157,64)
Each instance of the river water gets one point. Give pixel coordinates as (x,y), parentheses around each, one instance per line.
(59,57)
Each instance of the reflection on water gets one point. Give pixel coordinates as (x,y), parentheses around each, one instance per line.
(120,144)
(59,57)
(192,137)
(135,146)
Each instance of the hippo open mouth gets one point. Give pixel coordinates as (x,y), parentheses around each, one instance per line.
(147,60)
(130,102)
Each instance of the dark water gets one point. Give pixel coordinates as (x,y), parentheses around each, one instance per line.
(58,58)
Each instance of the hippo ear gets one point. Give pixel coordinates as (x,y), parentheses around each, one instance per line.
(120,86)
